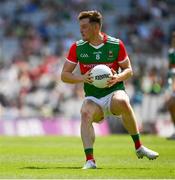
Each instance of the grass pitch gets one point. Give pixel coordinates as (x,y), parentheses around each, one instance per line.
(62,157)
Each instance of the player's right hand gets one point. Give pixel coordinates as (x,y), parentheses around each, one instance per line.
(87,78)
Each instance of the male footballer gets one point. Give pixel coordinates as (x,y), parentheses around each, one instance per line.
(99,48)
(171,81)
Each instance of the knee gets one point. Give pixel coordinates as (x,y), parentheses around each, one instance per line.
(123,104)
(86,116)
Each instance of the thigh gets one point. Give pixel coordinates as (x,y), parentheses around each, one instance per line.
(119,102)
(171,102)
(92,110)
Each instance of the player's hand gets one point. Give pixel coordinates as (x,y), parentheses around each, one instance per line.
(87,78)
(113,79)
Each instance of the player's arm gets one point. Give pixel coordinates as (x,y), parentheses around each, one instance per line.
(124,64)
(124,75)
(127,71)
(67,74)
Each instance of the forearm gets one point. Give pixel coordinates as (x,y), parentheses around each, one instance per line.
(68,77)
(124,75)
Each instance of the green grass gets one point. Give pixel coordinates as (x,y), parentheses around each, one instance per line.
(62,157)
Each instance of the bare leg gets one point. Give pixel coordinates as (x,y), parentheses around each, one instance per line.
(90,112)
(120,106)
(87,131)
(171,108)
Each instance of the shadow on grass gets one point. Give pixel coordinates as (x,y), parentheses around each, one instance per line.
(63,167)
(40,168)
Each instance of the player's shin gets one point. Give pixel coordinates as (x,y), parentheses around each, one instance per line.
(88,138)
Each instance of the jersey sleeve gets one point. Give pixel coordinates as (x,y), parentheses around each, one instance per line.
(72,55)
(122,52)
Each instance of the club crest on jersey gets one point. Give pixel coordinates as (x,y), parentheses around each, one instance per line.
(110,54)
(84,55)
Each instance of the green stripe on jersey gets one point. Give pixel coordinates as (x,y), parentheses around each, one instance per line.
(81,42)
(112,40)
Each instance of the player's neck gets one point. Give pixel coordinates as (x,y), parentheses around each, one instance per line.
(97,39)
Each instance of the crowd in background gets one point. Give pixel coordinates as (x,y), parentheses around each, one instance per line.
(35,36)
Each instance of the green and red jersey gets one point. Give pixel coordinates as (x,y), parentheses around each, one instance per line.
(111,52)
(171,58)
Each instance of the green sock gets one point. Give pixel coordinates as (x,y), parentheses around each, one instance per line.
(89,154)
(136,139)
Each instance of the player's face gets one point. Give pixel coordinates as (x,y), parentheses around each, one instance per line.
(86,29)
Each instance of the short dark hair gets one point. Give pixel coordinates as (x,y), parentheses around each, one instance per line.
(93,16)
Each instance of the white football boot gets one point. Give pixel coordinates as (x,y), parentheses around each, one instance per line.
(172,137)
(143,151)
(90,164)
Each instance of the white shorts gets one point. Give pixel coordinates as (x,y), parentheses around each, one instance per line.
(103,102)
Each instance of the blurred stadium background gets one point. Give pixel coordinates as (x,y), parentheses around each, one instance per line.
(35,36)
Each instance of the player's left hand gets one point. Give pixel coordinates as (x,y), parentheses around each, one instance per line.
(113,79)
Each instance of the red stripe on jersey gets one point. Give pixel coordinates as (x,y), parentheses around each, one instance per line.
(122,52)
(72,56)
(86,67)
